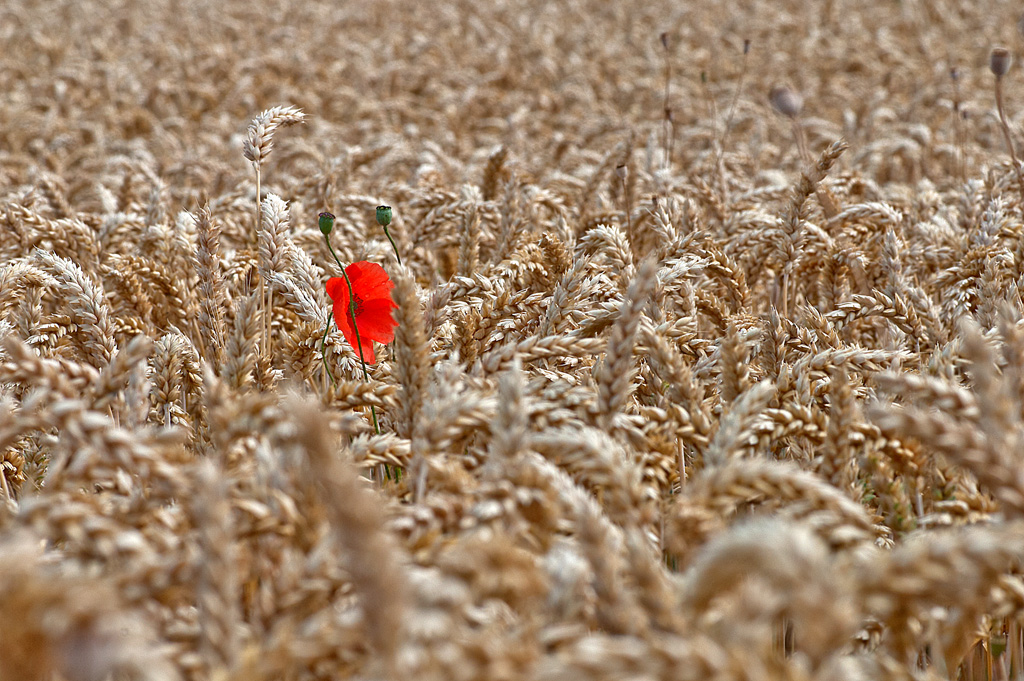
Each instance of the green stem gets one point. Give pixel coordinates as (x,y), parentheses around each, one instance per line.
(352,312)
(323,349)
(393,246)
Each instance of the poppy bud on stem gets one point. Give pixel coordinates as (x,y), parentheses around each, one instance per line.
(384,219)
(999,61)
(326,223)
(790,104)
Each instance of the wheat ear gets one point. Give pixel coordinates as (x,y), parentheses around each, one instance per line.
(615,376)
(258,144)
(357,521)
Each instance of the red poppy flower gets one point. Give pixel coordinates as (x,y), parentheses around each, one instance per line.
(372,289)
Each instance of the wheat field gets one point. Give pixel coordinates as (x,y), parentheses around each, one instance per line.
(709,356)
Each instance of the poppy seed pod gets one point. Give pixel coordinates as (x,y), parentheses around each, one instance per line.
(621,171)
(999,61)
(383,215)
(786,101)
(326,223)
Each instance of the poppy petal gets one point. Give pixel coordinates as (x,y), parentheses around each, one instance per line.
(381,292)
(369,280)
(343,318)
(369,273)
(368,355)
(376,321)
(336,288)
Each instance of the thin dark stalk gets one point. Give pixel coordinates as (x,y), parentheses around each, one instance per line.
(323,348)
(961,163)
(1006,135)
(785,295)
(259,206)
(629,209)
(801,140)
(265,326)
(731,113)
(666,109)
(710,99)
(622,172)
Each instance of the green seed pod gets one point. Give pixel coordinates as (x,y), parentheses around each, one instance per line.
(326,223)
(383,215)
